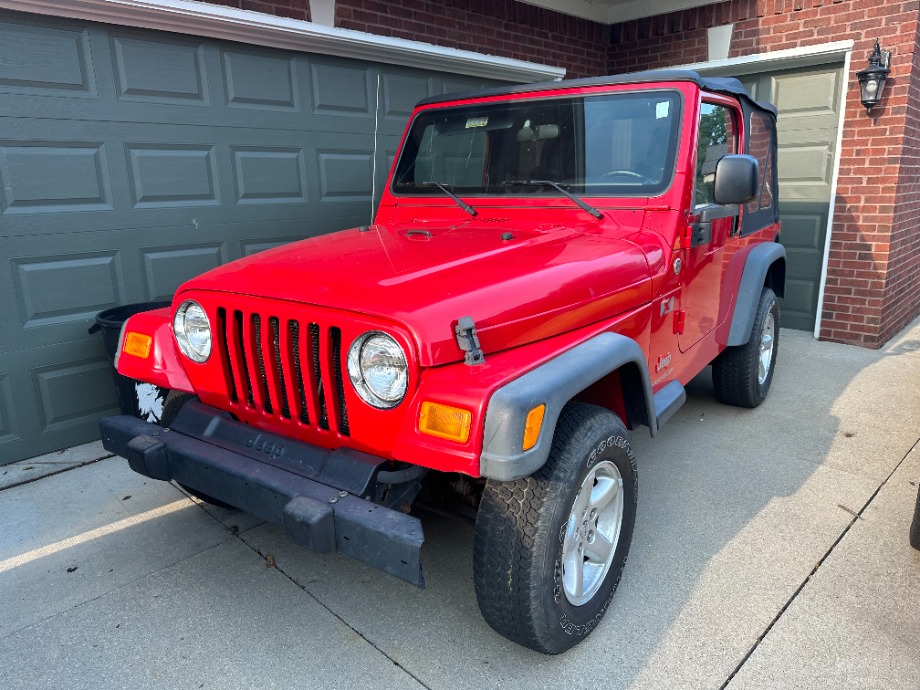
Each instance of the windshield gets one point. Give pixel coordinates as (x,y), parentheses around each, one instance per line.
(606,145)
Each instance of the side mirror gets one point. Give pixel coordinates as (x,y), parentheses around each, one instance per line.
(736,179)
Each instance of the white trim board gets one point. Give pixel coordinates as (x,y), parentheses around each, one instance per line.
(778,59)
(231,24)
(838,51)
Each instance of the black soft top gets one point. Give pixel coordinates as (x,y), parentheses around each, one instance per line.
(726,85)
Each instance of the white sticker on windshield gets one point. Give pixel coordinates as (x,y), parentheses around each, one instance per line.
(477,122)
(661,109)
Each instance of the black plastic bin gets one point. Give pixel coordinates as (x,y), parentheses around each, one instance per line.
(135,398)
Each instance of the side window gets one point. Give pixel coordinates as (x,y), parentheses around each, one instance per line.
(718,137)
(760,147)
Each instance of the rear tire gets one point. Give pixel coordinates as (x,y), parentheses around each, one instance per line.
(550,548)
(742,374)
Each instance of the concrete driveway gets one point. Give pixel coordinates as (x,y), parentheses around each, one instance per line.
(770,552)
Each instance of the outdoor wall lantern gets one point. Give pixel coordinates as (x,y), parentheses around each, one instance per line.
(872,79)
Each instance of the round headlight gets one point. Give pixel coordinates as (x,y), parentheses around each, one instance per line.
(378,369)
(193,331)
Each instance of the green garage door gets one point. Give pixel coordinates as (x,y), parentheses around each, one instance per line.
(132,160)
(808,103)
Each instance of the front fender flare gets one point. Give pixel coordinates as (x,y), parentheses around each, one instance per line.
(553,383)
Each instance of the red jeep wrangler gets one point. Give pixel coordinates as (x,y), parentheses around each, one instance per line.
(549,265)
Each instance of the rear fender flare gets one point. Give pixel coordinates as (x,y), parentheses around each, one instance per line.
(757,267)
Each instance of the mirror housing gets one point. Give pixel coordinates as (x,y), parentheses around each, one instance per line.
(736,179)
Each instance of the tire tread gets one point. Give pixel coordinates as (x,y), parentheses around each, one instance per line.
(512,523)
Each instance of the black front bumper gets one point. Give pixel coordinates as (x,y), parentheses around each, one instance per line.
(317,496)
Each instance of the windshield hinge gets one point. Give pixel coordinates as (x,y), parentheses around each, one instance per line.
(468,341)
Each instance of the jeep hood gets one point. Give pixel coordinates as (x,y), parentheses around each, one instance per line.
(542,281)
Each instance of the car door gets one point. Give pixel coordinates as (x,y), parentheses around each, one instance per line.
(703,262)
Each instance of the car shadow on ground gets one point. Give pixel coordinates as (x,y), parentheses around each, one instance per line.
(736,508)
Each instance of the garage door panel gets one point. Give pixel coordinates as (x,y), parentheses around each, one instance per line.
(401,92)
(794,308)
(807,170)
(345,175)
(269,175)
(260,81)
(9,422)
(809,94)
(59,393)
(340,90)
(159,71)
(45,176)
(58,289)
(166,268)
(40,59)
(74,392)
(170,175)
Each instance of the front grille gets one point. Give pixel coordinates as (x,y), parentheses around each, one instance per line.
(283,368)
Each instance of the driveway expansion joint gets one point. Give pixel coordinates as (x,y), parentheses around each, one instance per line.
(60,471)
(272,563)
(857,515)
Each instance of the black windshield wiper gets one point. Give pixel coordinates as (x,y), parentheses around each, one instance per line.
(549,183)
(460,202)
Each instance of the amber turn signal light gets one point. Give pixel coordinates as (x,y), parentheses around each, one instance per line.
(533,425)
(138,344)
(444,421)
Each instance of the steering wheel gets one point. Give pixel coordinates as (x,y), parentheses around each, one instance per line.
(623,173)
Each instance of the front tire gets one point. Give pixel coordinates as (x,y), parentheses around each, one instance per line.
(549,549)
(742,375)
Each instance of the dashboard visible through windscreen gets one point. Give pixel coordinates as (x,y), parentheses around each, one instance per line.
(619,144)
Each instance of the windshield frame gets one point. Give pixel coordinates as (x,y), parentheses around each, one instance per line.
(548,193)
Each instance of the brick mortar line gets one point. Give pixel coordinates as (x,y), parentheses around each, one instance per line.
(830,550)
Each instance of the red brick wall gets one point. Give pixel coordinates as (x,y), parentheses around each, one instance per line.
(497,27)
(902,289)
(873,284)
(294,9)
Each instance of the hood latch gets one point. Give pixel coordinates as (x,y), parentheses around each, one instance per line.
(468,341)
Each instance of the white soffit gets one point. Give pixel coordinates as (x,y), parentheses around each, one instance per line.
(231,24)
(616,11)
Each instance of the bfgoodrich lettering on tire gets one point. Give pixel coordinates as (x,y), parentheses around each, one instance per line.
(550,548)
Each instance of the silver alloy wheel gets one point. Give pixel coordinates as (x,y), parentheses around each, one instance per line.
(766,348)
(592,533)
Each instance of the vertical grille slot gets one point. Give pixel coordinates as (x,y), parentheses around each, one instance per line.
(313,328)
(263,380)
(279,369)
(239,341)
(335,336)
(294,330)
(283,366)
(223,337)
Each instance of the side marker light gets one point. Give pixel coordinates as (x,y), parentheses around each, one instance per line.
(533,425)
(138,344)
(444,421)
